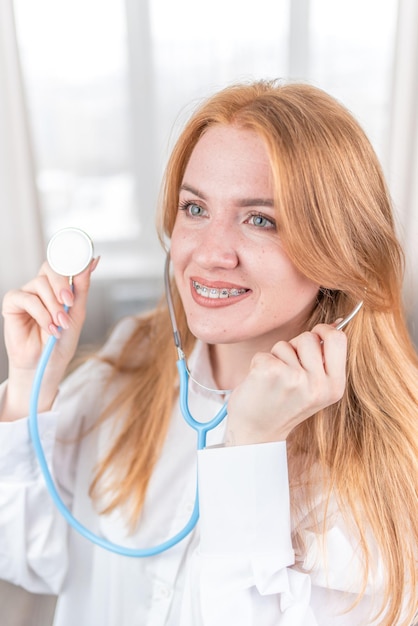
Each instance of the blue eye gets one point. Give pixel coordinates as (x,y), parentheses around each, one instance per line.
(192,209)
(261,221)
(195,209)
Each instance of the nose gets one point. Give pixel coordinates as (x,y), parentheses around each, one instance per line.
(217,247)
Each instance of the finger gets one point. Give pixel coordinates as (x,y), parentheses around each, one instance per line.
(20,303)
(308,348)
(81,282)
(35,299)
(75,295)
(45,291)
(334,347)
(81,288)
(284,351)
(58,283)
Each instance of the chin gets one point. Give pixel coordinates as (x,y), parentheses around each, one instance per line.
(215,336)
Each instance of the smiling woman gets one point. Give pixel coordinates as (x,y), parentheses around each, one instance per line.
(267,255)
(273,196)
(327,189)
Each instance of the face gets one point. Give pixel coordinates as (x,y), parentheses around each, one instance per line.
(235,280)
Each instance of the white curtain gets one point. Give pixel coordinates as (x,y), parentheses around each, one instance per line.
(21,245)
(403,148)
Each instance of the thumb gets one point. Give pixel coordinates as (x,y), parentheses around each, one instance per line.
(77,301)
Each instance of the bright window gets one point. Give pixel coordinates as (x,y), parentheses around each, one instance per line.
(109,82)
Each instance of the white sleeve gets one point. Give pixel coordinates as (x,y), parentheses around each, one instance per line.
(241,573)
(33,534)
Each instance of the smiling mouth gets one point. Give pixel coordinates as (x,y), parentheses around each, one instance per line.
(215,294)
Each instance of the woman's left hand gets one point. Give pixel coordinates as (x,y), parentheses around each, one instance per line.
(288,385)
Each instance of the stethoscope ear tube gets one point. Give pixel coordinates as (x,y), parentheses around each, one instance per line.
(170,305)
(350,316)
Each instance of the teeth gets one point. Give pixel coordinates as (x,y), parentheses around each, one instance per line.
(212,292)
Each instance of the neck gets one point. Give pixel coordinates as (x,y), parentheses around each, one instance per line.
(231,362)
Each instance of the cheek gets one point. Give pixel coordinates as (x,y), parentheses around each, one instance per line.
(295,284)
(303,286)
(179,254)
(306,294)
(178,246)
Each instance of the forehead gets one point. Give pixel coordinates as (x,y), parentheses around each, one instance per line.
(228,153)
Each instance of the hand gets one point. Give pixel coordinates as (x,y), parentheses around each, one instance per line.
(288,385)
(31,315)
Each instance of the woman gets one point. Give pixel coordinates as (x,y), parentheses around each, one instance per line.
(279,221)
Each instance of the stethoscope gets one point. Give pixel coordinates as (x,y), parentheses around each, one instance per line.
(69,252)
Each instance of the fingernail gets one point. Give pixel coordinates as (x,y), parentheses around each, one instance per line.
(54,331)
(94,264)
(67,297)
(62,320)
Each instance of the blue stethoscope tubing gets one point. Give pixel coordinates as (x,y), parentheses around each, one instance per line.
(201,428)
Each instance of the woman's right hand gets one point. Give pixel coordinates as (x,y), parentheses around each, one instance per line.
(31,315)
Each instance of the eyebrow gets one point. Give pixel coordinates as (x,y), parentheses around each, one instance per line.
(244,202)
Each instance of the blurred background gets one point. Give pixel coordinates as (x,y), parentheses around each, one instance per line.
(93,94)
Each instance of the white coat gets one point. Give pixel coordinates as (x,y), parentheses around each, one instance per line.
(238,567)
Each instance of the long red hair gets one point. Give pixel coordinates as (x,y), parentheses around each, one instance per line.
(337,226)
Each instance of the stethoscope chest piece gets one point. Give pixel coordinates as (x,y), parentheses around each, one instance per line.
(70,251)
